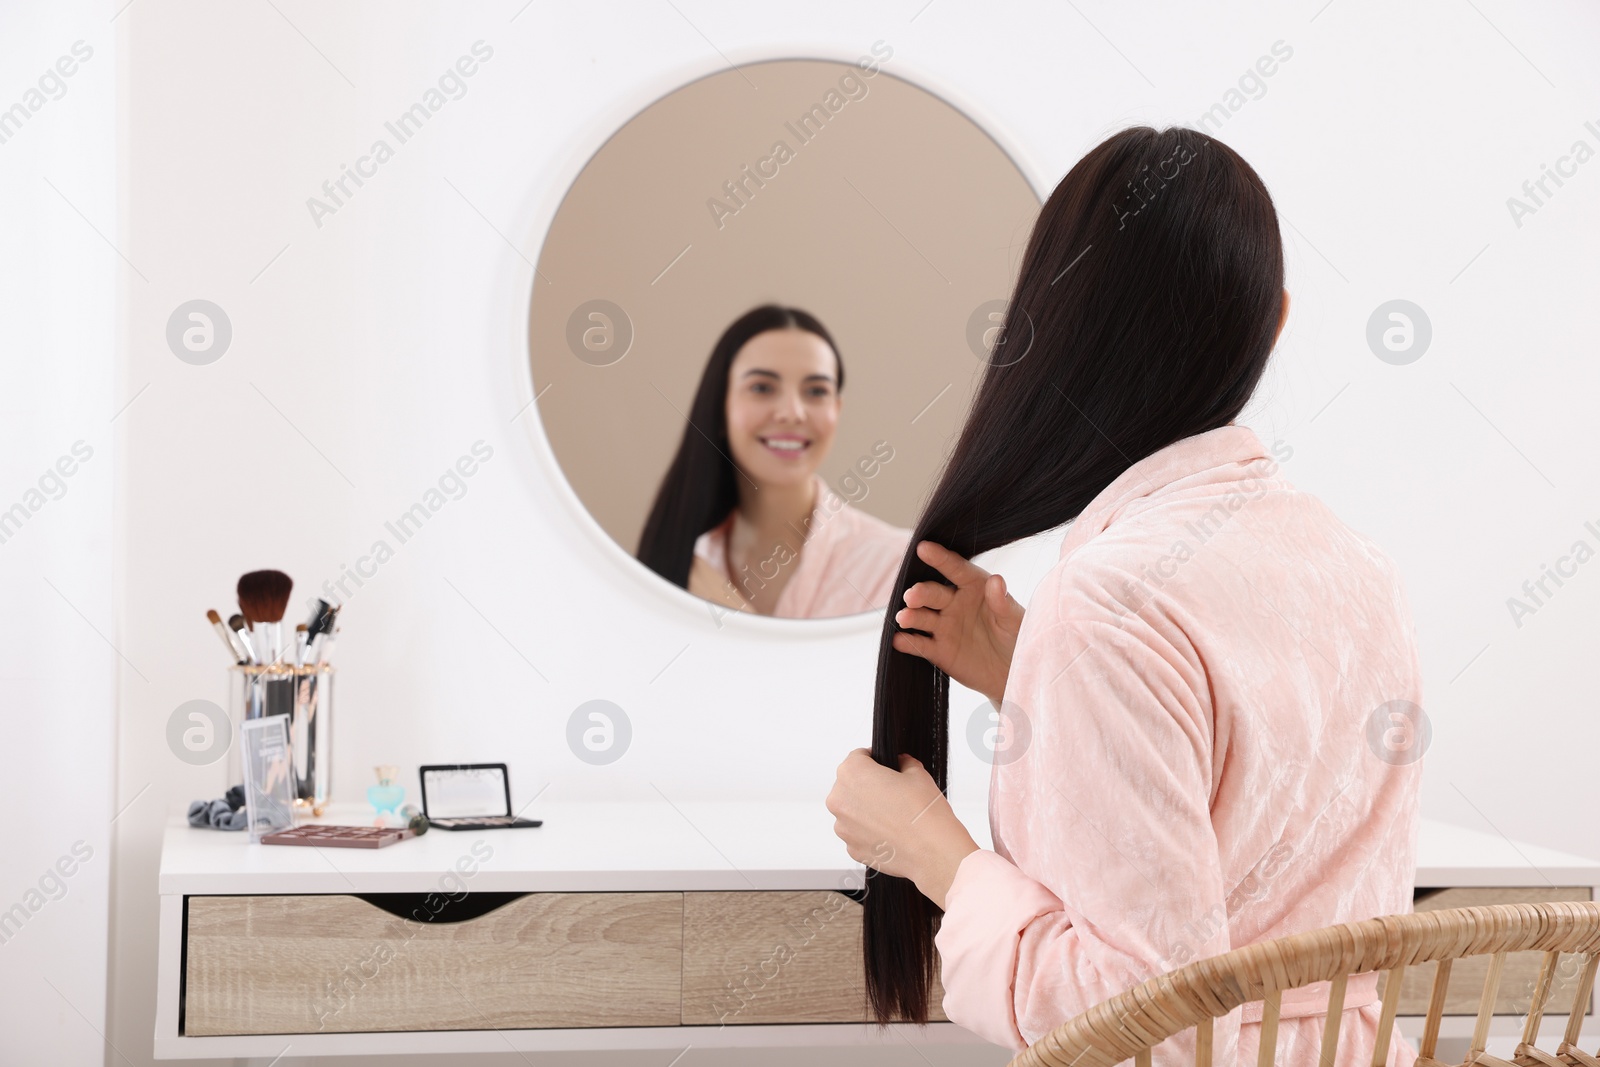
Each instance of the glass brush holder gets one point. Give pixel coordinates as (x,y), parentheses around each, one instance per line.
(305,694)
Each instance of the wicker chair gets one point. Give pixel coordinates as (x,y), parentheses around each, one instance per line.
(1130,1024)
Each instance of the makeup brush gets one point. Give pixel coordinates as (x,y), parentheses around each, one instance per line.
(321,620)
(236,624)
(311,628)
(301,644)
(263,597)
(237,654)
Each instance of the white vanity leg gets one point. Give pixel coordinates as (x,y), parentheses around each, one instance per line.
(169,967)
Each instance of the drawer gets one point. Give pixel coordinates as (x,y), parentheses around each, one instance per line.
(337,964)
(1520,973)
(342,964)
(775,957)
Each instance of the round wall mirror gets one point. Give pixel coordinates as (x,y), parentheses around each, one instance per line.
(757,321)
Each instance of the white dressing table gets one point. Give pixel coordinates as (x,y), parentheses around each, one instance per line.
(612,926)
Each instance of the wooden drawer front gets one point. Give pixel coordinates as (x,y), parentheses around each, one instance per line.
(304,964)
(1521,969)
(775,957)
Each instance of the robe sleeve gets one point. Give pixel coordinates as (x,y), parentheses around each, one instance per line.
(1107,813)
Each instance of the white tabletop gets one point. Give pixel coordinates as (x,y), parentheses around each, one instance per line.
(661,846)
(582,846)
(1455,855)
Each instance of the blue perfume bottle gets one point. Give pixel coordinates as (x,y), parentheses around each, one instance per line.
(387,795)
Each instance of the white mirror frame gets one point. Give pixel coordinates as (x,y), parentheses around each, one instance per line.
(547,202)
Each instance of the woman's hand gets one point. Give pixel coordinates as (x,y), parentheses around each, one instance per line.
(898,822)
(974,625)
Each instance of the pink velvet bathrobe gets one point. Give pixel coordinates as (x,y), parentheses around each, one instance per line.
(847,566)
(1204,684)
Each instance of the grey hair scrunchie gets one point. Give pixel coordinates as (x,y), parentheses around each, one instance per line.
(224,813)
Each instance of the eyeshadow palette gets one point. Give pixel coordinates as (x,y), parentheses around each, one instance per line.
(321,836)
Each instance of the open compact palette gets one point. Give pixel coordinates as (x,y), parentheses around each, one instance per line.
(469,796)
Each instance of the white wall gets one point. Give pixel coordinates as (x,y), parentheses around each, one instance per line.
(372,351)
(58,390)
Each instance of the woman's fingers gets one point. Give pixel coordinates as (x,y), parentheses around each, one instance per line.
(917,619)
(957,568)
(935,595)
(916,645)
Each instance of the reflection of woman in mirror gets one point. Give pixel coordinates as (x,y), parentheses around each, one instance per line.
(743,517)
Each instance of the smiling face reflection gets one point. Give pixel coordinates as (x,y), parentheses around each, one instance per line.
(744,516)
(783,407)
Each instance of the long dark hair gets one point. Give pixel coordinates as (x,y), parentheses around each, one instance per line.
(701,486)
(1147,303)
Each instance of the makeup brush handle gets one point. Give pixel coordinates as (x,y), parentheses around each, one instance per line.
(246,644)
(241,647)
(227,641)
(272,641)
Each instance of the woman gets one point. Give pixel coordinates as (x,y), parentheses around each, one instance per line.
(742,516)
(1190,690)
